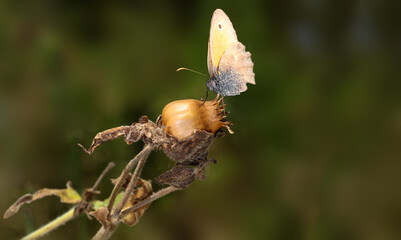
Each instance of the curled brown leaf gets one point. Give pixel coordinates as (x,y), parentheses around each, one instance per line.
(144,190)
(68,195)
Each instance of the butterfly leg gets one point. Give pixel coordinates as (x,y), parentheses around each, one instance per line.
(207,94)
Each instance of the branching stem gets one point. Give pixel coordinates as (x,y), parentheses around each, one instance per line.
(140,159)
(145,152)
(161,193)
(99,179)
(142,156)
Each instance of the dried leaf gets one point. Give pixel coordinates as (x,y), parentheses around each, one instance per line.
(68,195)
(106,136)
(143,190)
(101,215)
(179,176)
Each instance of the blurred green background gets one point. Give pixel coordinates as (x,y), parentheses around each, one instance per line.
(316,151)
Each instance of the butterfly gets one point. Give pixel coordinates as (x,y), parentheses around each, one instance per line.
(230,66)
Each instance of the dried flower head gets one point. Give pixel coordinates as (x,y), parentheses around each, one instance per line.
(181,118)
(184,133)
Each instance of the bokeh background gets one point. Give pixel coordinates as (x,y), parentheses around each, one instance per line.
(317,145)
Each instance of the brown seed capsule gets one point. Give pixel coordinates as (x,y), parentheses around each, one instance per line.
(182,117)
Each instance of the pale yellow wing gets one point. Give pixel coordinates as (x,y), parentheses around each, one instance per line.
(222,35)
(237,60)
(235,71)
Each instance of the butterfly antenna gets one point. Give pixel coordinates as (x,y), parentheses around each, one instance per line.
(182,68)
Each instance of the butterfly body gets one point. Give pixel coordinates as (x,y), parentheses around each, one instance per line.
(230,66)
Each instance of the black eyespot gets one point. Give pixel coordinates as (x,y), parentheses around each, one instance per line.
(219,26)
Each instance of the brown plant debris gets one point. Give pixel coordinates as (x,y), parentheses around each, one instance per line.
(68,195)
(101,215)
(143,190)
(181,176)
(189,150)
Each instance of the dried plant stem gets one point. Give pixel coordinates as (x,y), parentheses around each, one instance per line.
(161,193)
(67,216)
(61,220)
(104,233)
(143,155)
(145,152)
(114,220)
(99,179)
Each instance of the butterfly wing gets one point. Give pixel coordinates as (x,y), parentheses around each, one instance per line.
(222,35)
(234,71)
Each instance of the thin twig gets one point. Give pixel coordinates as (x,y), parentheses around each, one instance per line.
(143,155)
(87,195)
(105,232)
(161,193)
(147,149)
(109,166)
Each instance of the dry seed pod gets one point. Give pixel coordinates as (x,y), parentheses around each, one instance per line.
(182,117)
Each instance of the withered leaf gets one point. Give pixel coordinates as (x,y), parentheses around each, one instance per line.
(106,136)
(179,176)
(144,190)
(68,195)
(101,215)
